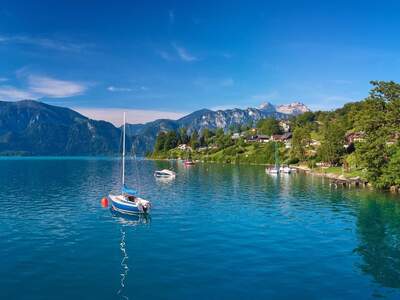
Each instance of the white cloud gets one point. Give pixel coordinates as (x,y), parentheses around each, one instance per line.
(43,42)
(41,86)
(165,55)
(54,88)
(133,116)
(10,93)
(142,88)
(184,54)
(118,89)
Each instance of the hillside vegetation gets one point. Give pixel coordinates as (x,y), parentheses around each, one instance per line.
(361,138)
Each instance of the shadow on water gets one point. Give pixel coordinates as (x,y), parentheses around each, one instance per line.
(126,221)
(378,229)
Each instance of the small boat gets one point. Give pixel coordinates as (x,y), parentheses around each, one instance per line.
(189,162)
(285,170)
(273,170)
(128,202)
(165,174)
(276,169)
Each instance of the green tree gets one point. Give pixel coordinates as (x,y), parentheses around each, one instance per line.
(332,145)
(307,118)
(171,140)
(269,126)
(391,174)
(300,140)
(160,142)
(378,119)
(183,136)
(194,140)
(206,135)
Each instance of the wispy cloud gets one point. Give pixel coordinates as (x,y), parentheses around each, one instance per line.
(54,88)
(10,93)
(37,87)
(3,79)
(47,43)
(134,116)
(112,88)
(165,55)
(118,89)
(183,53)
(177,53)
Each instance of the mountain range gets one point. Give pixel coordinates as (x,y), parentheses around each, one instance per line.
(35,128)
(144,135)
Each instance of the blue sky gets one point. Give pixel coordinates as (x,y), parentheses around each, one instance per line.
(166,58)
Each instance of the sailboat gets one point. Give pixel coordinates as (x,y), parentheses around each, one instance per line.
(275,169)
(128,202)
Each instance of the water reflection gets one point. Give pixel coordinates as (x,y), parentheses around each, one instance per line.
(165,180)
(126,221)
(378,228)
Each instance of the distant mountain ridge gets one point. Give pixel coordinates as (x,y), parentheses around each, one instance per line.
(35,128)
(144,135)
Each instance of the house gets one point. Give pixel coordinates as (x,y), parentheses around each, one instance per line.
(315,143)
(235,136)
(393,138)
(263,138)
(281,137)
(284,125)
(352,137)
(276,137)
(185,147)
(286,136)
(258,138)
(251,139)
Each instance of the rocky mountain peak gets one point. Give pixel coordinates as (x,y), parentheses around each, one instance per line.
(294,108)
(266,106)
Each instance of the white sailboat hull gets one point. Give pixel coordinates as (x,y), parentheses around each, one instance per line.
(129,205)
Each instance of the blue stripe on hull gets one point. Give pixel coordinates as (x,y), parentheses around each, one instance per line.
(125,208)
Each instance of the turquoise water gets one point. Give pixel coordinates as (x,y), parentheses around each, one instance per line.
(216,232)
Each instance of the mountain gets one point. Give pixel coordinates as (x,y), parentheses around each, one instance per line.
(144,135)
(34,128)
(295,108)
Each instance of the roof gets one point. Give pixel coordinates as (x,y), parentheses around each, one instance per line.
(263,136)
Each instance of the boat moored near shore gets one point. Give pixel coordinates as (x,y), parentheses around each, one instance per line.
(165,173)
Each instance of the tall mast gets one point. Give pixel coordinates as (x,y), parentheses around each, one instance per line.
(123,155)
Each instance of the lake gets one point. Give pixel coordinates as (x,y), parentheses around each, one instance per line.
(215,232)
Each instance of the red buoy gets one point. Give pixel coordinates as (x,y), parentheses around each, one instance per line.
(104,202)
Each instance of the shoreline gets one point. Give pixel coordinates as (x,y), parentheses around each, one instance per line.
(335,179)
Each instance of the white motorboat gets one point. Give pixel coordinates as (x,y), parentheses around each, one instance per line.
(165,174)
(273,170)
(285,170)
